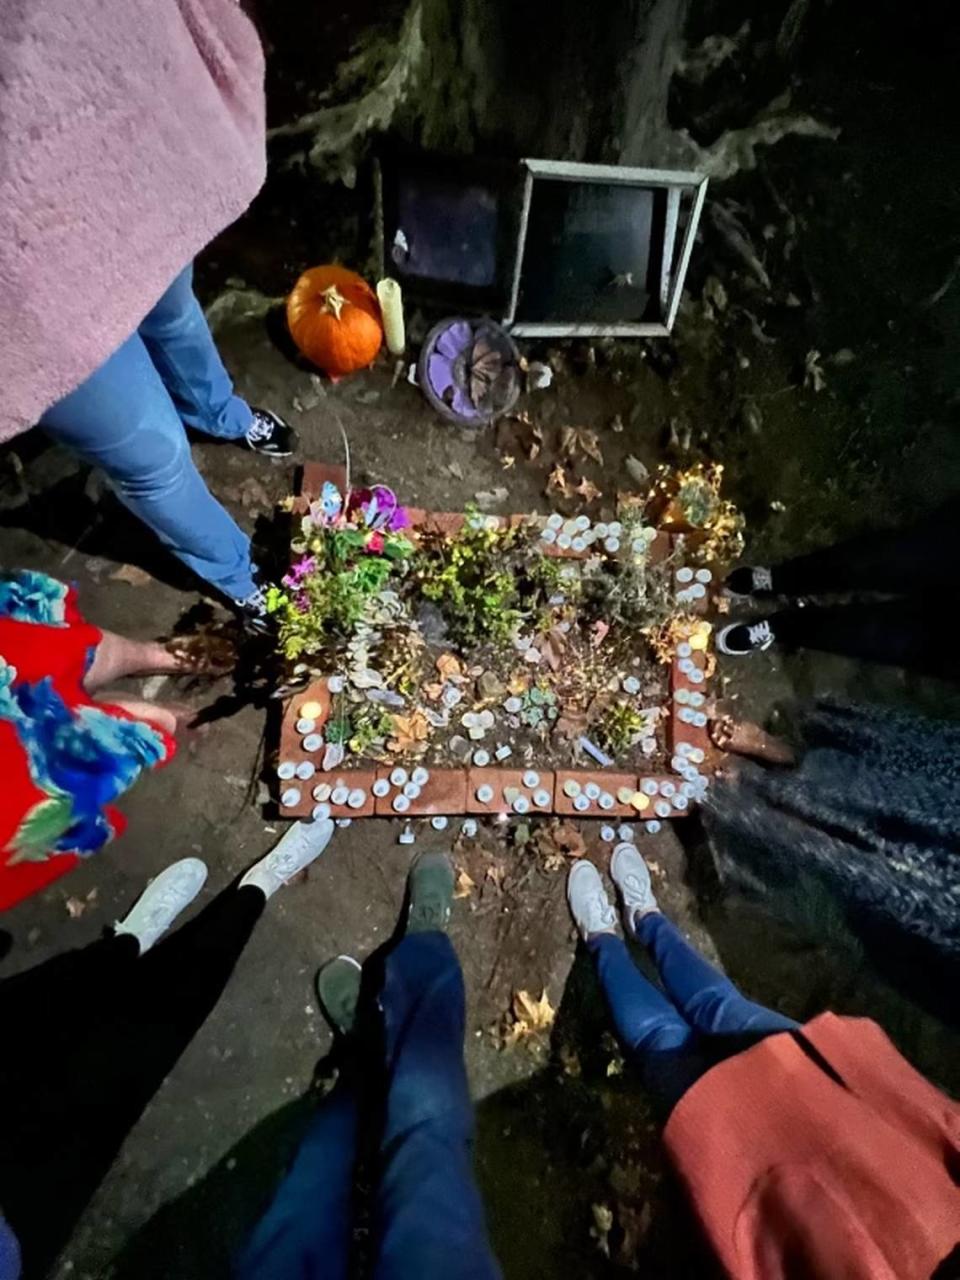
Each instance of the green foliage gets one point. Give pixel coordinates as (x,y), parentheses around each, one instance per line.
(469,577)
(371,724)
(622,726)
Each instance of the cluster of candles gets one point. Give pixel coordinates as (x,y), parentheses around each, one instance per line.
(405,787)
(579,533)
(692,585)
(530,795)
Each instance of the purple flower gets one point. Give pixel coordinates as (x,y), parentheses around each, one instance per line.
(299,571)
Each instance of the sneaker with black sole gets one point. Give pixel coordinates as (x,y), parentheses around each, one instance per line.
(270,435)
(740,639)
(750,580)
(430,892)
(338,990)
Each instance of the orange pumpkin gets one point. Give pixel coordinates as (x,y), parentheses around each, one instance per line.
(334,318)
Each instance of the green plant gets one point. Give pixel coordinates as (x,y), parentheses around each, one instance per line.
(469,577)
(371,725)
(621,727)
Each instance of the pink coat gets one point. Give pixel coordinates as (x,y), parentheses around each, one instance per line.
(131,133)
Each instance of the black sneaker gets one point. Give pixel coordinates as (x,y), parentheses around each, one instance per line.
(430,889)
(270,435)
(742,638)
(750,580)
(253,611)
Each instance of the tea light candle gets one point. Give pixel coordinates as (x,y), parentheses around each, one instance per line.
(591,791)
(606,800)
(439,822)
(340,794)
(484,793)
(684,575)
(652,826)
(381,788)
(704,576)
(549,536)
(311,711)
(608,835)
(398,776)
(390,297)
(581,803)
(306,725)
(306,770)
(662,808)
(357,798)
(571,788)
(313,742)
(420,776)
(322,791)
(531,779)
(290,797)
(521,805)
(401,803)
(625,833)
(481,758)
(319,812)
(286,770)
(411,791)
(541,799)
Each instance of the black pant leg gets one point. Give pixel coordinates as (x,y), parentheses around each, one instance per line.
(901,633)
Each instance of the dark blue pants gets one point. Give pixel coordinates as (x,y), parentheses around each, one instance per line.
(427,1221)
(677,1036)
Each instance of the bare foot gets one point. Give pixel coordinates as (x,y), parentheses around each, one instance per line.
(172,717)
(745,739)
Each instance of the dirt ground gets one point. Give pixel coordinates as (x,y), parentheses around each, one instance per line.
(560,1128)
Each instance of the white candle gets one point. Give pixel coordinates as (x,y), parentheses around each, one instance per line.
(391,308)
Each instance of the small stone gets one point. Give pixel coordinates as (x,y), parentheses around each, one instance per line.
(333,756)
(490,686)
(611,545)
(606,800)
(335,684)
(343,823)
(631,685)
(451,696)
(311,711)
(555,521)
(503,752)
(703,576)
(626,833)
(549,536)
(679,801)
(459,748)
(667,789)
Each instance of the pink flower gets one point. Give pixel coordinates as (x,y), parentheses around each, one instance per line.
(375,543)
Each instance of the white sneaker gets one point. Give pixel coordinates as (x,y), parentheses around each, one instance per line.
(589,904)
(162,901)
(630,874)
(298,847)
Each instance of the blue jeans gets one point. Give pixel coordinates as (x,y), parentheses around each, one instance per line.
(675,1040)
(428,1217)
(128,418)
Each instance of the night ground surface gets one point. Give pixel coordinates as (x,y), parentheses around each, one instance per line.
(875,237)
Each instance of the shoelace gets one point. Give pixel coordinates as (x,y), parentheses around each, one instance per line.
(260,429)
(600,915)
(760,633)
(256,601)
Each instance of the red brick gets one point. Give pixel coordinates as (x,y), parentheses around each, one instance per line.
(444,792)
(607,780)
(290,739)
(500,778)
(315,475)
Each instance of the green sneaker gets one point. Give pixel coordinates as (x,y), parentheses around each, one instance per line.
(430,890)
(338,990)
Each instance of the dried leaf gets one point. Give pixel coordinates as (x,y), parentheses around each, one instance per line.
(557,481)
(535,445)
(408,731)
(75,908)
(507,460)
(539,1015)
(433,691)
(814,377)
(464,885)
(132,575)
(495,873)
(577,440)
(454,469)
(602,1226)
(449,667)
(588,491)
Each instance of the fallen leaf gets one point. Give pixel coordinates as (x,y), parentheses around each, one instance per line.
(433,691)
(602,1226)
(464,885)
(132,575)
(576,440)
(454,469)
(449,667)
(614,1067)
(814,378)
(535,445)
(507,461)
(495,873)
(557,481)
(539,1015)
(75,908)
(408,731)
(588,491)
(559,839)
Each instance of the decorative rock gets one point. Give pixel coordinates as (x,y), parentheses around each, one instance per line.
(510,794)
(333,757)
(305,770)
(313,742)
(470,720)
(399,776)
(678,764)
(322,791)
(608,835)
(687,715)
(459,748)
(401,803)
(451,696)
(481,758)
(696,699)
(648,746)
(601,530)
(439,822)
(320,811)
(340,794)
(614,528)
(286,770)
(381,788)
(305,725)
(696,755)
(699,720)
(490,686)
(290,798)
(594,752)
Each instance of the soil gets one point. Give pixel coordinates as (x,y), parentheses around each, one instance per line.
(562,1125)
